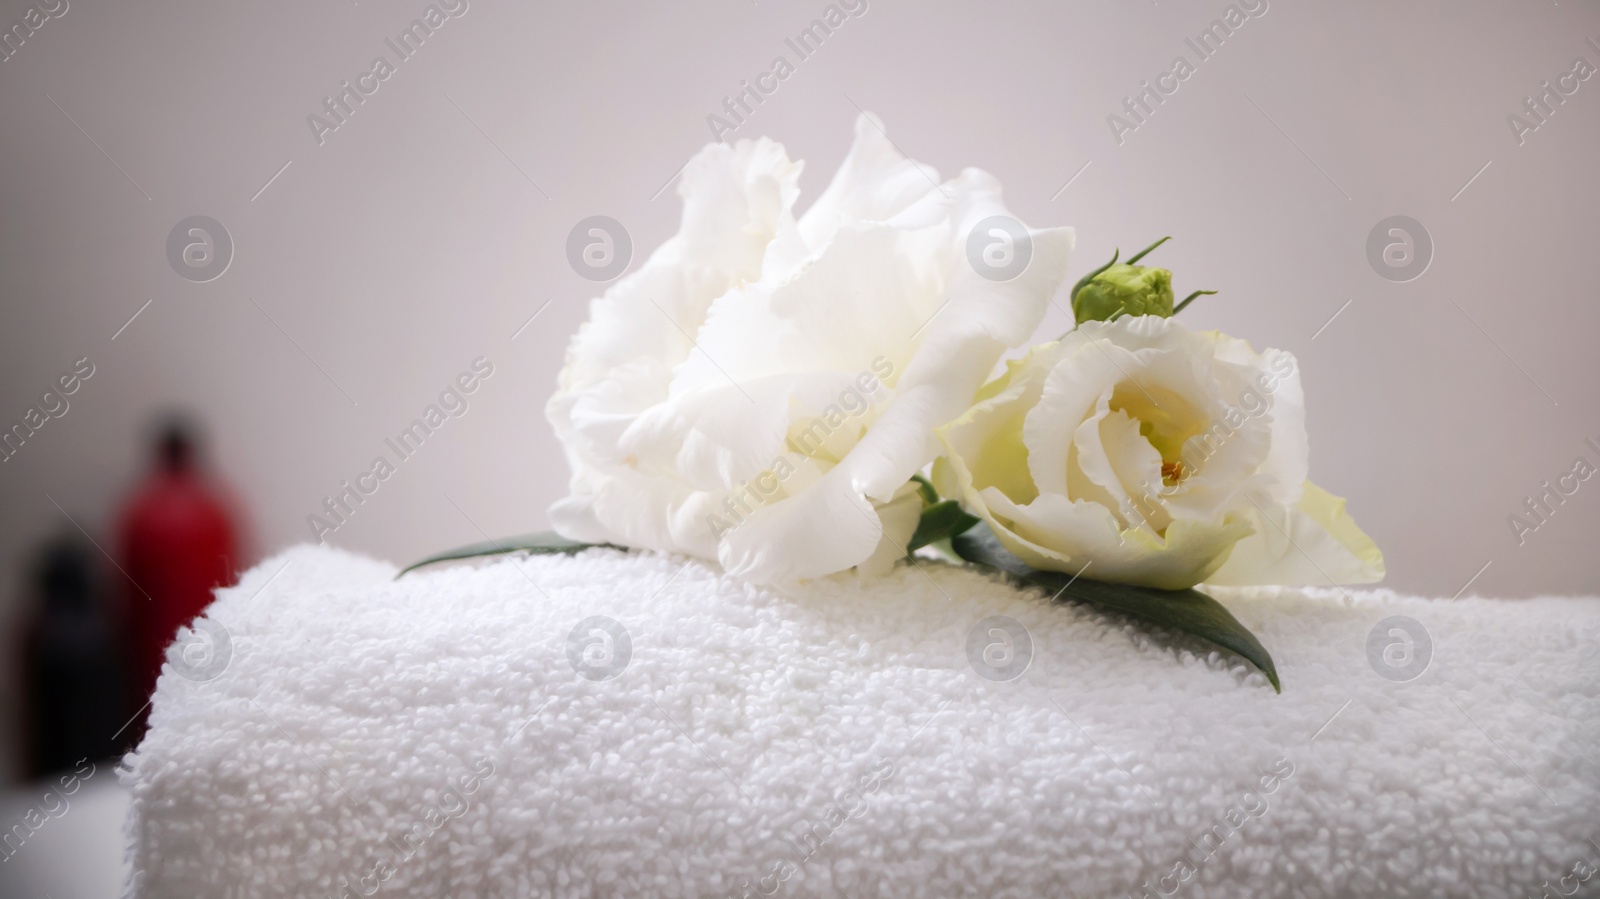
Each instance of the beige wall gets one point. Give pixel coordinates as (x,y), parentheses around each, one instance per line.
(429,227)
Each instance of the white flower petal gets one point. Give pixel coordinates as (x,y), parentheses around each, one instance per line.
(857,299)
(1168,465)
(1137,468)
(1093,458)
(1040,533)
(1313,543)
(1071,386)
(899,517)
(696,375)
(735,200)
(874,184)
(827,528)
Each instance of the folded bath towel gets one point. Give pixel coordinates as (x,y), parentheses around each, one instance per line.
(640,725)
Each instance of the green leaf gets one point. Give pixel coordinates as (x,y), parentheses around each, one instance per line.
(1090,277)
(1189,611)
(542,543)
(939,521)
(1142,253)
(926,488)
(1190,299)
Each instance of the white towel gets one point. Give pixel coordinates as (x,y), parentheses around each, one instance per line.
(432,737)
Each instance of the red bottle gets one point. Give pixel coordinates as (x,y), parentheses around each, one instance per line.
(178,543)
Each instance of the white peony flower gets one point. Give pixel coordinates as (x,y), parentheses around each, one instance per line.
(1157,455)
(760,391)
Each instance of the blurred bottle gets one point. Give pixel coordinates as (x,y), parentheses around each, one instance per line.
(178,542)
(75,673)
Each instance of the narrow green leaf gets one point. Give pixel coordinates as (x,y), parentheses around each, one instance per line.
(1189,611)
(1141,254)
(1190,299)
(1090,277)
(939,521)
(930,495)
(542,543)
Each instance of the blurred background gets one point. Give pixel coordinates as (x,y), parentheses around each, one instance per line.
(216,309)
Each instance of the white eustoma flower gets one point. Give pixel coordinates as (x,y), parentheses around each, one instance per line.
(760,391)
(1156,455)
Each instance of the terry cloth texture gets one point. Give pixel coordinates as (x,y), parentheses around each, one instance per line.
(640,725)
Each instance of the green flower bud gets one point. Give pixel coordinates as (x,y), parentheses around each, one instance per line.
(1123,289)
(1117,289)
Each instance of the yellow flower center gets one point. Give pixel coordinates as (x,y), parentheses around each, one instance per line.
(1172,473)
(1166,419)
